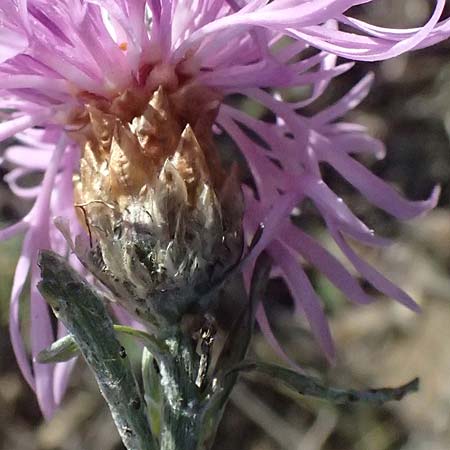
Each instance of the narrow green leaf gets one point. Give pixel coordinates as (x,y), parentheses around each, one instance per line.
(62,350)
(152,391)
(310,386)
(66,348)
(155,347)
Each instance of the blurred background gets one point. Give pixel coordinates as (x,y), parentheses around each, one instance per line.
(379,345)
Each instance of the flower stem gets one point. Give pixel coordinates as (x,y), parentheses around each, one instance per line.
(182,403)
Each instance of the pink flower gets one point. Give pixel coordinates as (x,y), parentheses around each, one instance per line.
(53,54)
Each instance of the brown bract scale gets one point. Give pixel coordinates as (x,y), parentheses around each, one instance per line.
(164,218)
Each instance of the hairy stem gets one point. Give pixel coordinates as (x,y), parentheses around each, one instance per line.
(182,404)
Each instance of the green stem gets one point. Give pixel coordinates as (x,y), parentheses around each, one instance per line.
(182,404)
(82,311)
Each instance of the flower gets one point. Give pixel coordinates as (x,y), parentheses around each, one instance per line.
(58,57)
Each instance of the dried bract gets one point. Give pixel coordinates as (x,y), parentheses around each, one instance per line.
(164,220)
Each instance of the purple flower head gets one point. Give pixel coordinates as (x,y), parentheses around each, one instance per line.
(56,55)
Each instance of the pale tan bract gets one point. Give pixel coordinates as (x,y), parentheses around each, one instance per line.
(164,219)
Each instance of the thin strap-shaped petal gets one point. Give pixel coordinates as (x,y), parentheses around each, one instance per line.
(11,43)
(43,200)
(374,189)
(20,277)
(61,376)
(274,15)
(348,102)
(324,261)
(13,126)
(304,296)
(13,230)
(267,176)
(327,200)
(271,222)
(370,273)
(376,49)
(393,33)
(41,328)
(33,158)
(266,329)
(12,179)
(41,338)
(38,214)
(33,81)
(356,142)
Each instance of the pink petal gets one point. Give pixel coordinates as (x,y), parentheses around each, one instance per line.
(20,277)
(13,126)
(41,338)
(325,262)
(374,189)
(371,274)
(304,296)
(266,330)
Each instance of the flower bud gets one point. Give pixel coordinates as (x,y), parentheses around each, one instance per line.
(164,219)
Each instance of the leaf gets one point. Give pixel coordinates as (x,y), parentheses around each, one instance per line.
(81,310)
(66,348)
(152,391)
(310,386)
(154,346)
(60,351)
